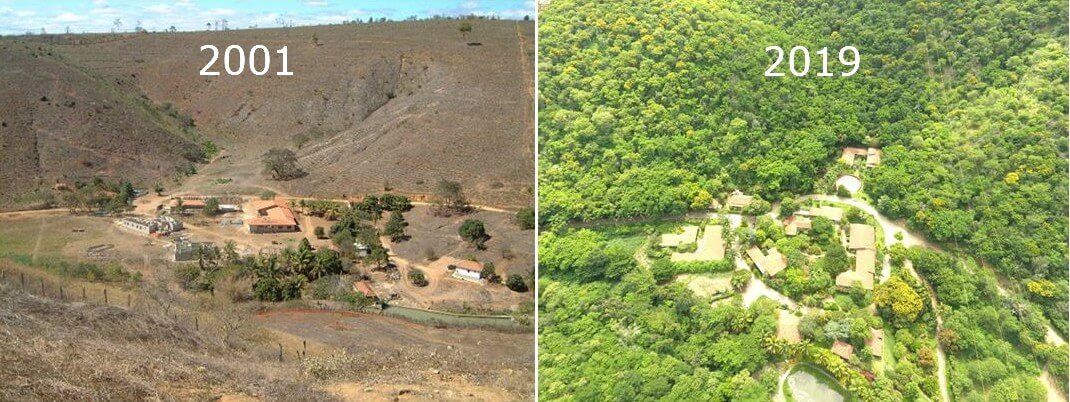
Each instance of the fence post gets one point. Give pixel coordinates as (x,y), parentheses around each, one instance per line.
(127,300)
(43,287)
(62,297)
(105,295)
(280,352)
(22,280)
(196,324)
(83,293)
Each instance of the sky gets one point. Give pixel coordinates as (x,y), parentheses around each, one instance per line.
(22,16)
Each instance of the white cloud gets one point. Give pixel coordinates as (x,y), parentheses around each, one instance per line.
(160,8)
(315,3)
(69,17)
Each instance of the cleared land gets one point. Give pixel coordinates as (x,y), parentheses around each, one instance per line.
(392,355)
(399,105)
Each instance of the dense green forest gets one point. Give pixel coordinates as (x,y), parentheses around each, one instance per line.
(652,109)
(656,108)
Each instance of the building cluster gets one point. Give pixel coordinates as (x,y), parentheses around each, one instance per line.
(193,204)
(160,226)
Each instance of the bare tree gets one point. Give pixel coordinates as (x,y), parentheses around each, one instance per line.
(233,319)
(118,24)
(162,295)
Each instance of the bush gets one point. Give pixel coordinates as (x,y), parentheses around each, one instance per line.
(525,218)
(417,277)
(319,232)
(516,283)
(473,231)
(490,274)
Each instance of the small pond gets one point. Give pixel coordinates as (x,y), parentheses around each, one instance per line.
(808,383)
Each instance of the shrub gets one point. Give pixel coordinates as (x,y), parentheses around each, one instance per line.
(516,283)
(417,277)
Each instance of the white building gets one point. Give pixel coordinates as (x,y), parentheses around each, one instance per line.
(467,269)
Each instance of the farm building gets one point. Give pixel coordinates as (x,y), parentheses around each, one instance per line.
(861,237)
(155,226)
(862,240)
(687,236)
(186,250)
(873,155)
(272,216)
(737,200)
(795,223)
(465,269)
(831,213)
(843,349)
(769,264)
(363,250)
(185,205)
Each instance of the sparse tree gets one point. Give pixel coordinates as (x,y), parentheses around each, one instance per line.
(319,232)
(449,197)
(162,295)
(417,277)
(516,283)
(490,273)
(211,207)
(233,320)
(525,218)
(315,39)
(281,164)
(465,28)
(395,227)
(473,231)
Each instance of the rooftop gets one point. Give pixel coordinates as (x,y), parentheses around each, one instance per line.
(769,264)
(862,236)
(457,263)
(272,213)
(843,349)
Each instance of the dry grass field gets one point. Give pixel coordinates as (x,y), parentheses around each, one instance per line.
(372,106)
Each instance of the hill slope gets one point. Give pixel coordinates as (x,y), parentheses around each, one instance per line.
(58,125)
(398,105)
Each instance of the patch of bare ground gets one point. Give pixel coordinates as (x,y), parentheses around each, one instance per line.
(368,356)
(72,351)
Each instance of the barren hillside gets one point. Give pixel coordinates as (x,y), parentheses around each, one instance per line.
(397,105)
(58,125)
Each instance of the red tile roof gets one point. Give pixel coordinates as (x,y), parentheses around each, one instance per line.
(272,213)
(467,264)
(364,287)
